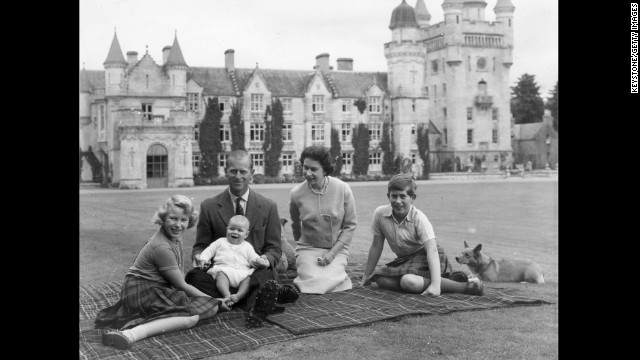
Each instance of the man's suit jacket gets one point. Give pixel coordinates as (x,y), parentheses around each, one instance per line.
(265,227)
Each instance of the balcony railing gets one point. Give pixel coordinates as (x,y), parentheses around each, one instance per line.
(484,101)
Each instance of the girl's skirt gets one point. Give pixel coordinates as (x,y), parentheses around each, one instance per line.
(143,300)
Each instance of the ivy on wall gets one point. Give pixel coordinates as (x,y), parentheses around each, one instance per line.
(209,140)
(336,150)
(273,143)
(388,166)
(361,104)
(237,126)
(422,139)
(360,142)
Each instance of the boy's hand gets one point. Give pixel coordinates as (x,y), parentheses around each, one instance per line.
(366,280)
(432,290)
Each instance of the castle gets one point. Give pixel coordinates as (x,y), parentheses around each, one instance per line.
(141,118)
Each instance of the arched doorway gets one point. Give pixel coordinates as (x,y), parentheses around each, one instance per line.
(157,167)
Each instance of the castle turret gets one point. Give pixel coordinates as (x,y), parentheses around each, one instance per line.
(422,14)
(114,67)
(176,69)
(452,12)
(473,9)
(405,61)
(504,14)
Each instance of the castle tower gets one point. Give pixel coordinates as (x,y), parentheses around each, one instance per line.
(114,67)
(176,69)
(473,9)
(422,14)
(405,62)
(452,11)
(504,14)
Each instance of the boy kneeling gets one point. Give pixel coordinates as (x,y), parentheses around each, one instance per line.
(422,266)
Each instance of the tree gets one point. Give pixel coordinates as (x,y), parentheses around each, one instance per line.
(237,126)
(360,142)
(361,104)
(80,175)
(209,140)
(552,105)
(527,105)
(273,143)
(336,150)
(422,139)
(388,166)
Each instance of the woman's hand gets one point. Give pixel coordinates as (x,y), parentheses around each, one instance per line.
(327,258)
(432,290)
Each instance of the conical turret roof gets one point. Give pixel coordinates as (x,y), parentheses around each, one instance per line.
(175,55)
(115,53)
(421,11)
(505,5)
(403,16)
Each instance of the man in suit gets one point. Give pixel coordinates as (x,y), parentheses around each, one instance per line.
(264,235)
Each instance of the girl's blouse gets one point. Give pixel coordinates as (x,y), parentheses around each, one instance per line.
(158,254)
(322,220)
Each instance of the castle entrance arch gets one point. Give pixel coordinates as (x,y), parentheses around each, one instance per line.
(157,167)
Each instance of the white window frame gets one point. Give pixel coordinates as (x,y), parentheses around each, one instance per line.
(495,113)
(196,131)
(375,160)
(345,134)
(195,163)
(413,131)
(317,104)
(257,102)
(375,104)
(317,132)
(193,101)
(494,134)
(287,105)
(225,104)
(258,162)
(346,106)
(222,161)
(287,132)
(347,162)
(147,111)
(469,113)
(286,162)
(375,131)
(469,136)
(101,117)
(225,133)
(256,132)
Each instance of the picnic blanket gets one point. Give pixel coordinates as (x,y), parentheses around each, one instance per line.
(226,332)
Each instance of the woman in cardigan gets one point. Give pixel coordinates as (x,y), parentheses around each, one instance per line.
(323,219)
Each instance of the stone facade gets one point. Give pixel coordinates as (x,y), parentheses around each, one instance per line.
(138,115)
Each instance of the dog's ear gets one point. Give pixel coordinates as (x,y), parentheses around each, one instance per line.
(466,245)
(477,248)
(283,221)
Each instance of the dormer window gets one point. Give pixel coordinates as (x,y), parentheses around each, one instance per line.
(374,104)
(317,105)
(256,102)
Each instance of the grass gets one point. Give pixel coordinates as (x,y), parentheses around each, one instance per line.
(511,218)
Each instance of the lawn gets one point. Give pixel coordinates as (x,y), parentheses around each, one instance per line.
(511,218)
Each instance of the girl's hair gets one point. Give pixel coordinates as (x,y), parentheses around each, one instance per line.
(180,201)
(402,182)
(320,154)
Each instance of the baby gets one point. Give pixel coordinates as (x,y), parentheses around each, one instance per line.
(233,259)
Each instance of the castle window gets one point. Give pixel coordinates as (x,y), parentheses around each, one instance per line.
(147,80)
(375,160)
(469,136)
(286,105)
(258,160)
(287,134)
(494,113)
(346,106)
(101,116)
(256,102)
(413,132)
(317,132)
(196,131)
(375,131)
(173,79)
(225,104)
(195,163)
(413,157)
(147,111)
(374,104)
(457,19)
(222,160)
(346,162)
(435,91)
(193,101)
(445,136)
(494,135)
(444,90)
(444,112)
(225,133)
(346,132)
(286,160)
(470,113)
(318,103)
(256,132)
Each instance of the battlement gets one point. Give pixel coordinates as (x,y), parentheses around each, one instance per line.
(135,117)
(481,26)
(483,40)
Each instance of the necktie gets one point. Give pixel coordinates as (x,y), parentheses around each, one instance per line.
(239,207)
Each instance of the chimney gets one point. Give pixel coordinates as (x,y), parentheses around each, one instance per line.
(345,64)
(322,62)
(165,54)
(229,60)
(132,58)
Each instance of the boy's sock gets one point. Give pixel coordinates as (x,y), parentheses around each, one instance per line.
(136,333)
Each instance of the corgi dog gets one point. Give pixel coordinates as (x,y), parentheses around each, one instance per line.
(487,268)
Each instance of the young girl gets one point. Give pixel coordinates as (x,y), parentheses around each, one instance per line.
(232,260)
(154,298)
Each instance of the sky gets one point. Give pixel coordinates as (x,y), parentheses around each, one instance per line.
(289,34)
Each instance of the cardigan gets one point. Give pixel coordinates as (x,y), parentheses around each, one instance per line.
(321,220)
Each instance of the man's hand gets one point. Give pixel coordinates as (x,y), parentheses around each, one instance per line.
(261,263)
